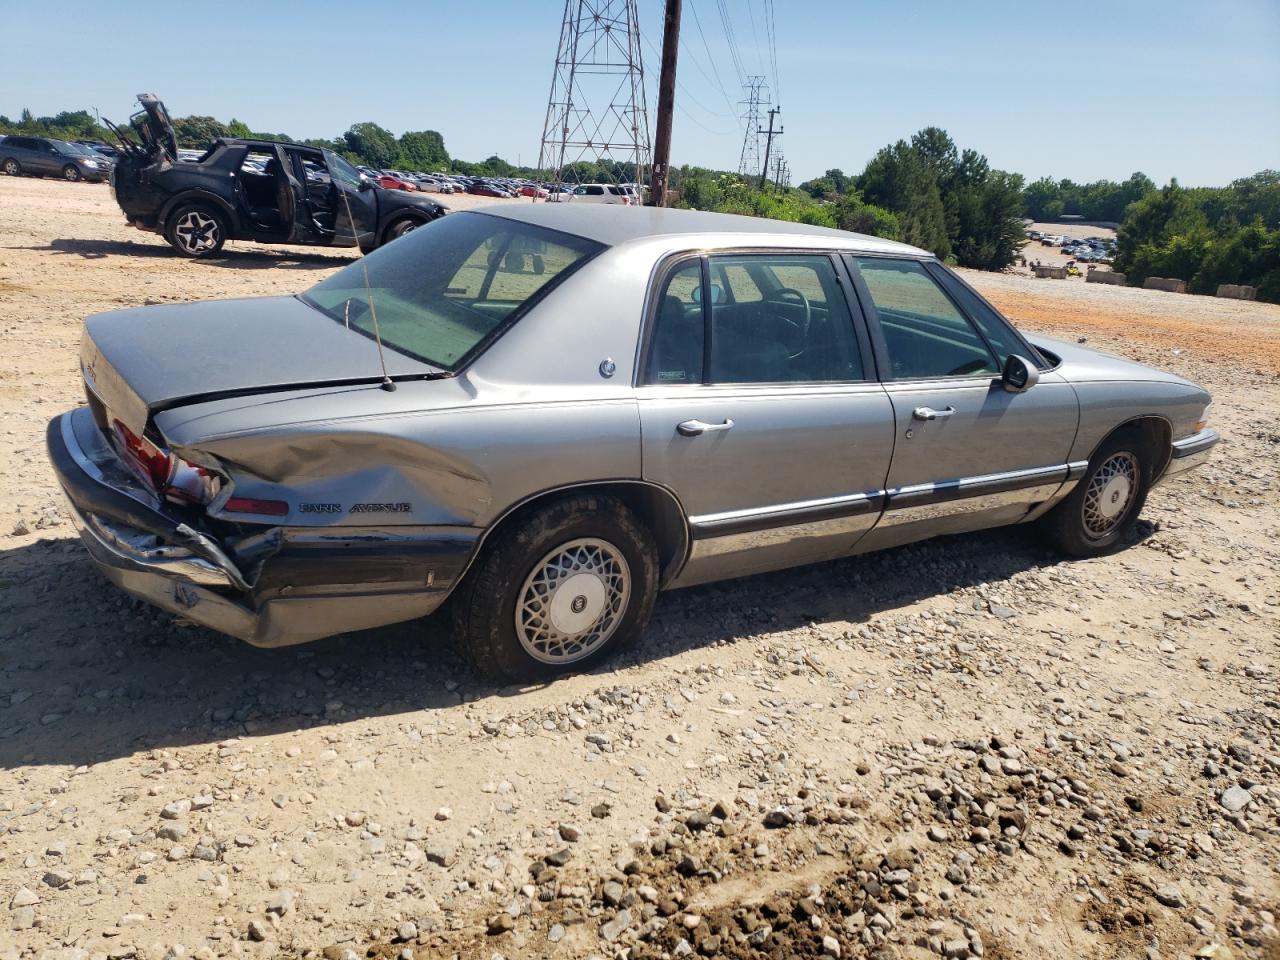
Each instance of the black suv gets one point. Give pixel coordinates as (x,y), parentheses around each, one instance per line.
(253,190)
(45,156)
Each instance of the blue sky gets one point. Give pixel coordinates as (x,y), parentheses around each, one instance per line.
(1172,88)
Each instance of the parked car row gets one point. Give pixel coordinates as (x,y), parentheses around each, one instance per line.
(1088,250)
(627,194)
(50,157)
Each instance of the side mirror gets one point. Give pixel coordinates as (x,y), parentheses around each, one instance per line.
(365,183)
(1019,374)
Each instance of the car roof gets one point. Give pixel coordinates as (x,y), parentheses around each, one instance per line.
(615,224)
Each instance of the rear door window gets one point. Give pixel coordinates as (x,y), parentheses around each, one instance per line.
(925,334)
(765,327)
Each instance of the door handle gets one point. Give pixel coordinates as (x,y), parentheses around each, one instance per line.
(693,428)
(928,413)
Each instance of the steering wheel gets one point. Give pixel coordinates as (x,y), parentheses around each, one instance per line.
(801,326)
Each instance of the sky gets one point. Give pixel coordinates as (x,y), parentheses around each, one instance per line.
(1173,88)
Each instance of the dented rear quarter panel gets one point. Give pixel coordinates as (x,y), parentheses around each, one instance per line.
(458,451)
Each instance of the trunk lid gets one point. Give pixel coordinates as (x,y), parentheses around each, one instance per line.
(140,361)
(159,125)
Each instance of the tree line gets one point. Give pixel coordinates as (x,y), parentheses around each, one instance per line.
(925,191)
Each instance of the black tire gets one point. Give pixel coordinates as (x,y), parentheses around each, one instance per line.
(71,173)
(1082,525)
(196,230)
(399,228)
(12,167)
(508,571)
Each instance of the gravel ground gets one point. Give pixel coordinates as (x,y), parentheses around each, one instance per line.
(962,748)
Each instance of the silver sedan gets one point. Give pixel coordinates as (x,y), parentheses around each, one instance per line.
(548,413)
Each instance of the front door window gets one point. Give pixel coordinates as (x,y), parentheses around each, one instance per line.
(926,335)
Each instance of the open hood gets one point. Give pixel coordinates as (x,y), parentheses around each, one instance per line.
(140,361)
(158,124)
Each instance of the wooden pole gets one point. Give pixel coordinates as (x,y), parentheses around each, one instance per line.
(666,105)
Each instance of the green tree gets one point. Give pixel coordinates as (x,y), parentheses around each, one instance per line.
(198,132)
(376,145)
(851,213)
(423,150)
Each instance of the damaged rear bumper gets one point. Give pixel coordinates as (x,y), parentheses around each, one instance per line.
(285,596)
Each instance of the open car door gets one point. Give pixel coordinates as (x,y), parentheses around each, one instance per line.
(355,204)
(295,218)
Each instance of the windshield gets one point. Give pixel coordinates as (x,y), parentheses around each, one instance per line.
(444,290)
(72,149)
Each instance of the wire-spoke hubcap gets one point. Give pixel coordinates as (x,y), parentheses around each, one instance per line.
(1109,494)
(573,601)
(197,232)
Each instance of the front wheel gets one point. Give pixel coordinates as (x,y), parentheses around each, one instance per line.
(71,173)
(400,228)
(562,588)
(12,168)
(196,231)
(1104,506)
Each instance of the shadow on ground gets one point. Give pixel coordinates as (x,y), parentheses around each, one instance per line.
(268,257)
(88,674)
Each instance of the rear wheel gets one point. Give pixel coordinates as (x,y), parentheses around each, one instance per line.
(12,167)
(562,588)
(196,231)
(1103,508)
(71,173)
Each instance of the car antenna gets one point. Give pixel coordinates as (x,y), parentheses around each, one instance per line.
(387,383)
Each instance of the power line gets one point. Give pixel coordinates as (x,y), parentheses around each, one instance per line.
(771,28)
(710,59)
(689,116)
(726,22)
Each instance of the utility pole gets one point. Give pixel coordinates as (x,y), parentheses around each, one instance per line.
(768,144)
(666,105)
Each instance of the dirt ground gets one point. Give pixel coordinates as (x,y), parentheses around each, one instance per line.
(968,747)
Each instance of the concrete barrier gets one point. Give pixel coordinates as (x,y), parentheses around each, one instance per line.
(1051,273)
(1167,284)
(1237,291)
(1106,276)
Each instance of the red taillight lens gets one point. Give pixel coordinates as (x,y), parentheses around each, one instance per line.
(263,508)
(152,465)
(170,476)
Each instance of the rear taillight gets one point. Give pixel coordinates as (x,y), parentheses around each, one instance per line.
(262,508)
(168,475)
(152,465)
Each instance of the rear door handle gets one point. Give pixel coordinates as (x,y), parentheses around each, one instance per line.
(693,428)
(928,413)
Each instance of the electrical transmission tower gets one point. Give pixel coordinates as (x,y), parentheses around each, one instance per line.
(749,164)
(596,110)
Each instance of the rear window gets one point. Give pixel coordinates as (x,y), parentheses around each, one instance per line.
(443,291)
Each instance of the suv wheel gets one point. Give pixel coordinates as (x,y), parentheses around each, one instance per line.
(564,587)
(400,228)
(71,173)
(12,167)
(196,231)
(1104,506)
